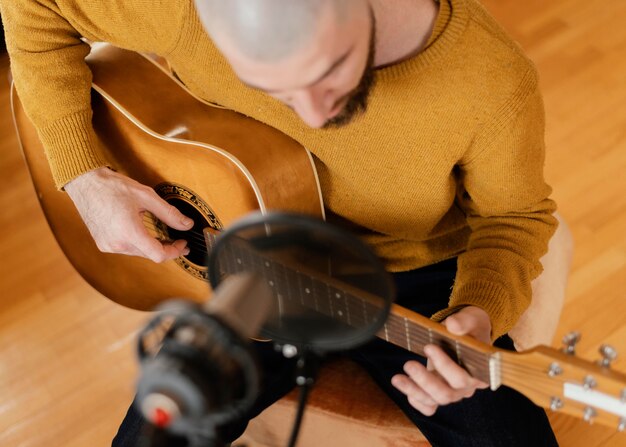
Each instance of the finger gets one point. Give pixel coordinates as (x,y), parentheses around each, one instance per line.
(165,212)
(416,397)
(409,388)
(149,247)
(425,409)
(455,376)
(457,324)
(432,384)
(180,245)
(472,321)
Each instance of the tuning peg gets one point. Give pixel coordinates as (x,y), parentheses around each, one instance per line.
(589,414)
(609,354)
(589,382)
(555,369)
(622,424)
(556,404)
(569,342)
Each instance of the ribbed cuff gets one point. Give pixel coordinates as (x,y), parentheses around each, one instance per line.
(492,297)
(71,147)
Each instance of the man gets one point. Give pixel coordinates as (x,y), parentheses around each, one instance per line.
(427,127)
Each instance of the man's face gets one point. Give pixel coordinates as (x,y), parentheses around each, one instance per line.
(327,81)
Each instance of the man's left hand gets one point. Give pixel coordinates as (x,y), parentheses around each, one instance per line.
(444,381)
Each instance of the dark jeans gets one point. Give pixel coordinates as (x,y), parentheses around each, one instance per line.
(488,419)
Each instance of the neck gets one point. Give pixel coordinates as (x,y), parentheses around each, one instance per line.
(403,28)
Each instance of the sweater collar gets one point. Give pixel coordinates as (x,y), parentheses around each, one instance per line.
(450,25)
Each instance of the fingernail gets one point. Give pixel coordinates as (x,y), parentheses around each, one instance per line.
(186,251)
(186,221)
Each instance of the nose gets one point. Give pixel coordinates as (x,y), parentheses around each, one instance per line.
(313,106)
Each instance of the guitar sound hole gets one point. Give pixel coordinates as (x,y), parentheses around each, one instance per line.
(195,236)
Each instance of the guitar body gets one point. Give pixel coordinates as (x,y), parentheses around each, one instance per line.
(214,164)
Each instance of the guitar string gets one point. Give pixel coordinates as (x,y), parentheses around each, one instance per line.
(469,358)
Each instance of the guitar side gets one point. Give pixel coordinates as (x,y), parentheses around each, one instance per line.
(217,164)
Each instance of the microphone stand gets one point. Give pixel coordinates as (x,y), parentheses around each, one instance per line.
(307,367)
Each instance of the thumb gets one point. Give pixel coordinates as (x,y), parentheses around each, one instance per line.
(472,321)
(457,324)
(168,214)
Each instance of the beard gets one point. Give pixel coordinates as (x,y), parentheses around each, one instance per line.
(356,103)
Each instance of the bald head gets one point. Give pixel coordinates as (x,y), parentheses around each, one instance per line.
(269,30)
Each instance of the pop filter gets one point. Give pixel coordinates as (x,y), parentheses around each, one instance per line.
(330,291)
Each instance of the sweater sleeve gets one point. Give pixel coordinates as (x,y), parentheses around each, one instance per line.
(53,83)
(505,199)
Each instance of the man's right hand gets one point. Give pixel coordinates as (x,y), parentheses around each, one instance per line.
(112,206)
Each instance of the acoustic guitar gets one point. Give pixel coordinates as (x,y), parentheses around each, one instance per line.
(217,166)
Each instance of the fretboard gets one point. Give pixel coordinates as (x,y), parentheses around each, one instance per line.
(295,285)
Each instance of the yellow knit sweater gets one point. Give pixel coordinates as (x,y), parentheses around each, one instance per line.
(447,160)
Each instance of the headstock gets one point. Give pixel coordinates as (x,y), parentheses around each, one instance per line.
(560,381)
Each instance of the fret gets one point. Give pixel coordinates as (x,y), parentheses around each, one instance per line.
(322,291)
(339,306)
(277,275)
(285,278)
(397,332)
(228,267)
(355,306)
(306,289)
(365,314)
(371,311)
(266,267)
(306,284)
(311,296)
(235,254)
(408,336)
(319,292)
(348,319)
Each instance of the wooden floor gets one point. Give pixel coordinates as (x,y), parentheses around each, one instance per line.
(66,356)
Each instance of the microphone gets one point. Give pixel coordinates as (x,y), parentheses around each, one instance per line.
(197,369)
